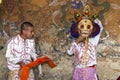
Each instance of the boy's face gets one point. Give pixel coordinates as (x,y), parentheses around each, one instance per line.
(29,33)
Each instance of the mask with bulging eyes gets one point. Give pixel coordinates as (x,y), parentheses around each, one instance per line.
(85,27)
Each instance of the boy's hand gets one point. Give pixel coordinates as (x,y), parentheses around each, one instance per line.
(21,64)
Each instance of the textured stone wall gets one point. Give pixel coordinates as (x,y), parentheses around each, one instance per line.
(52,20)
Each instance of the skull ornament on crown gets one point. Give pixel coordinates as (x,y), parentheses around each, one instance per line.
(85,27)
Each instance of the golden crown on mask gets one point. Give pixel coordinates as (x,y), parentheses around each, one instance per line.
(85,21)
(85,14)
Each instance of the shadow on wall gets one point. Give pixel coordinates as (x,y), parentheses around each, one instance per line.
(1,47)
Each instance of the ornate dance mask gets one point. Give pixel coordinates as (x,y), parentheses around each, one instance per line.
(85,27)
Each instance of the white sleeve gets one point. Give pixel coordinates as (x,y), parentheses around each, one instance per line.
(33,52)
(10,54)
(72,48)
(96,38)
(34,55)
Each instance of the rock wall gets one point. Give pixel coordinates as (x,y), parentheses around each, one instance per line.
(52,20)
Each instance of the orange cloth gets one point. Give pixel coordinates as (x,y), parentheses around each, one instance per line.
(25,69)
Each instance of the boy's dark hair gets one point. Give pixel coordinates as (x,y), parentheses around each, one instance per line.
(25,25)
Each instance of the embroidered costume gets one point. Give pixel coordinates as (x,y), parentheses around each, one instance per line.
(20,50)
(84,52)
